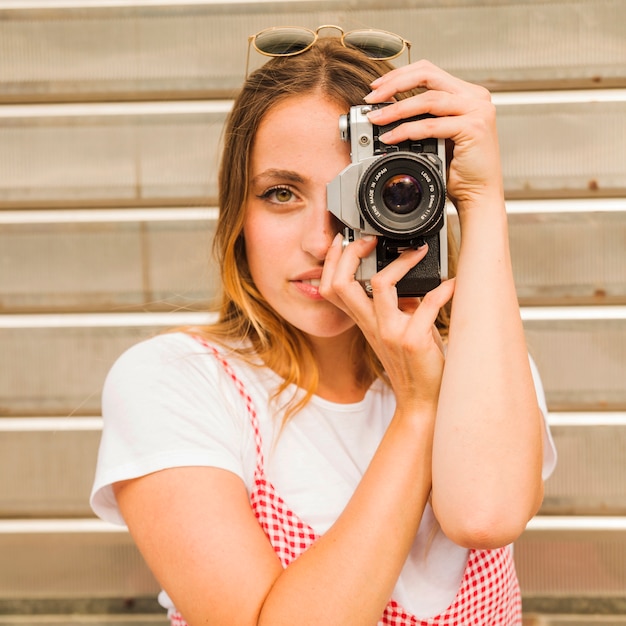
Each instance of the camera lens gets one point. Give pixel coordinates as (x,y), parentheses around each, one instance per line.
(401,194)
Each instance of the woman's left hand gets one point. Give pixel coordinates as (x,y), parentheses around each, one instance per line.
(464,115)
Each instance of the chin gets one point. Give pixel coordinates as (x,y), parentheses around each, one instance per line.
(323,321)
(328,330)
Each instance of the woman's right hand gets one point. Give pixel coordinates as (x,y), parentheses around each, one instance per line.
(401,331)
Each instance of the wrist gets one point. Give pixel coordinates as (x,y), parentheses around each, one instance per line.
(418,413)
(485,215)
(490,202)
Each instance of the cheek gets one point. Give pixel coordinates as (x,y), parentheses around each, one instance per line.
(264,239)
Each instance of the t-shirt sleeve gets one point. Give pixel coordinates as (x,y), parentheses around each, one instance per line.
(549,449)
(165,403)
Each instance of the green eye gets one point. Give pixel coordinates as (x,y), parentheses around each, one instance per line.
(279,195)
(283,195)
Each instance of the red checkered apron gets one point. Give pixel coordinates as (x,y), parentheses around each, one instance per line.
(489,594)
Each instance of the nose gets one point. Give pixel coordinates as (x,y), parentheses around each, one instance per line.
(319,230)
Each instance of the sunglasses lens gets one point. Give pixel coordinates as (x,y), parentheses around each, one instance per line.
(375,44)
(283,41)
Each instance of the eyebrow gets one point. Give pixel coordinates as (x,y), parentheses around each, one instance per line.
(277,174)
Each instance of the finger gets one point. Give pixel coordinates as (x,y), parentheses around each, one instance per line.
(439,127)
(343,277)
(431,304)
(384,292)
(439,103)
(333,254)
(338,283)
(422,75)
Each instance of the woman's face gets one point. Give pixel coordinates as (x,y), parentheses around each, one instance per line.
(287,228)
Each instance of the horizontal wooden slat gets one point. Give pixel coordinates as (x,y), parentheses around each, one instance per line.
(150,154)
(47,474)
(141,49)
(581,361)
(590,475)
(109,159)
(69,564)
(573,558)
(35,381)
(552,149)
(568,251)
(107,266)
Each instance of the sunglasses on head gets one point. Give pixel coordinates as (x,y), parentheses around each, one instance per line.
(291,40)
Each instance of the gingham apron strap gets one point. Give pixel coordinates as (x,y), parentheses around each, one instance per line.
(252,414)
(176,619)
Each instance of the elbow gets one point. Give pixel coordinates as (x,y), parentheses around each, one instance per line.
(487,527)
(484,534)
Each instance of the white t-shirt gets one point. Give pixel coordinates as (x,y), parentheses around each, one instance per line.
(167,402)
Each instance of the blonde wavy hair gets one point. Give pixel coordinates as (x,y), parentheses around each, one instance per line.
(247,324)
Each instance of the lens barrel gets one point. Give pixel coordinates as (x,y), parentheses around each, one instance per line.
(402,195)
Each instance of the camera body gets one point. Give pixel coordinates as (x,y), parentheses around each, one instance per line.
(396,192)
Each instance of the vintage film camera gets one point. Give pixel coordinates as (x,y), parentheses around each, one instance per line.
(397,193)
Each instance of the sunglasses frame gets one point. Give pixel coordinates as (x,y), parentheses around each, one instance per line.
(406,45)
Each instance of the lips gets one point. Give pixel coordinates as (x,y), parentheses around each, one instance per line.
(308,283)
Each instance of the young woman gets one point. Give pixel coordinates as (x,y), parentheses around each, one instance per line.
(320,456)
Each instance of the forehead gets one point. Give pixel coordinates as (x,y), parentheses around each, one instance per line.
(299,126)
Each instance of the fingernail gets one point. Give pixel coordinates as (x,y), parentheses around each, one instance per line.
(374,115)
(369,97)
(337,240)
(386,137)
(368,238)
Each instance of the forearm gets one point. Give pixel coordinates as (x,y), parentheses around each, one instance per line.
(487,447)
(231,574)
(348,575)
